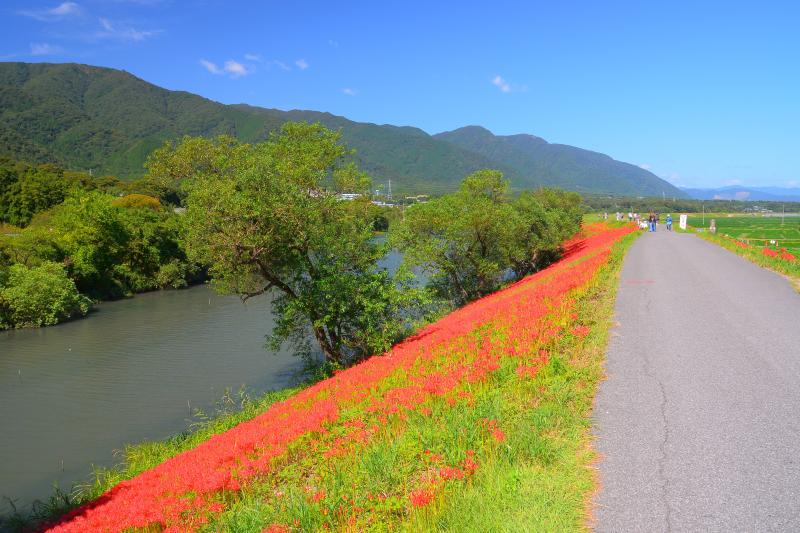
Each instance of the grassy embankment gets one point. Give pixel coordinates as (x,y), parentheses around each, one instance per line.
(748,236)
(479,423)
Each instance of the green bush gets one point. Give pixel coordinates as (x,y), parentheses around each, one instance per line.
(173,275)
(39,296)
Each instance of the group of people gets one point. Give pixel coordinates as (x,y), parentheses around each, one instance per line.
(650,224)
(652,221)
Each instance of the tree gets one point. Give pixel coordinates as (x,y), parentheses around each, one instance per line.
(461,240)
(37,189)
(547,218)
(266,219)
(472,241)
(94,241)
(39,296)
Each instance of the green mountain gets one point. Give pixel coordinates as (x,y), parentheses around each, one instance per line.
(108,121)
(561,165)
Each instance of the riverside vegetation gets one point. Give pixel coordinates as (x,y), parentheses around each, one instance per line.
(67,239)
(489,404)
(267,218)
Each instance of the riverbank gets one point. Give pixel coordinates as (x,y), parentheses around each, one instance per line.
(497,390)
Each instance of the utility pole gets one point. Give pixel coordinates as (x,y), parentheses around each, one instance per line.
(704,214)
(783,214)
(389,192)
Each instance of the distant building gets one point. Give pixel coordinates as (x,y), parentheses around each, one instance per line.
(348,196)
(419,199)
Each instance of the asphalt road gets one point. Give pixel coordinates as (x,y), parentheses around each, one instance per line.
(698,422)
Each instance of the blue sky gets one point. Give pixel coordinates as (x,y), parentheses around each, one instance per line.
(701,93)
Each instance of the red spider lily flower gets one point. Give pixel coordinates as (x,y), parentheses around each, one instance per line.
(451,473)
(421,498)
(580,331)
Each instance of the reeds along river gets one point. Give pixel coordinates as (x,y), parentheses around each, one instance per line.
(132,370)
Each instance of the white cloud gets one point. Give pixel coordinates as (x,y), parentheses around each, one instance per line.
(282,65)
(232,68)
(793,183)
(733,182)
(211,67)
(112,31)
(645,166)
(506,86)
(63,10)
(501,84)
(235,69)
(349,92)
(253,57)
(333,43)
(301,64)
(45,49)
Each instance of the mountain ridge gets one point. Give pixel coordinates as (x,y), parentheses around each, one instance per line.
(108,121)
(741,192)
(575,167)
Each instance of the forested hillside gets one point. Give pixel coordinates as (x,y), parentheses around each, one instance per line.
(107,121)
(561,165)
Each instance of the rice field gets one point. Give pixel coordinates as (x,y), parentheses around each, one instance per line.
(756,230)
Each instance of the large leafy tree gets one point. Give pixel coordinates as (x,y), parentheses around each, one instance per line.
(265,218)
(546,218)
(461,239)
(472,241)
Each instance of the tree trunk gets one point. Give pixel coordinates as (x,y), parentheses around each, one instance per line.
(331,355)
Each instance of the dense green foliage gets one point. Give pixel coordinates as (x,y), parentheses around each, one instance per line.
(109,121)
(103,245)
(38,296)
(29,189)
(266,218)
(559,165)
(468,242)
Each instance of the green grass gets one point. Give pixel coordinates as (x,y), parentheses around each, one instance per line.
(755,229)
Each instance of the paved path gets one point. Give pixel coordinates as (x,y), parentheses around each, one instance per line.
(698,423)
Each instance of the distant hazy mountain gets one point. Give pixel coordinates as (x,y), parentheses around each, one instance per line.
(736,192)
(107,120)
(561,165)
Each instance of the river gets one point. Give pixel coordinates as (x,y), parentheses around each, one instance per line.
(131,371)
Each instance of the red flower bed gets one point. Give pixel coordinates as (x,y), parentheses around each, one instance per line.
(187,490)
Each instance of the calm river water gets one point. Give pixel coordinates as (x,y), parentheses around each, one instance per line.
(131,371)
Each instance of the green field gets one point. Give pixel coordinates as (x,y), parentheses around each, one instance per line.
(755,229)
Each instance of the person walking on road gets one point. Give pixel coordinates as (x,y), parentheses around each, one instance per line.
(669,222)
(652,220)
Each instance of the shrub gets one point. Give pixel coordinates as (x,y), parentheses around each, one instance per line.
(138,200)
(173,275)
(39,296)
